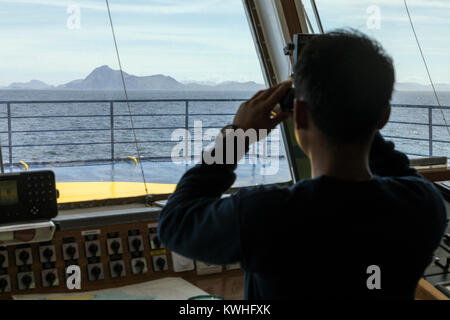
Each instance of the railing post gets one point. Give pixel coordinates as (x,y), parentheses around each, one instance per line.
(186,126)
(111,118)
(430,123)
(8,108)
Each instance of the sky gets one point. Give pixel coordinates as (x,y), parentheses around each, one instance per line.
(431,20)
(195,40)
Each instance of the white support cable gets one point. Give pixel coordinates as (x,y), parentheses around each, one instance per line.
(318,19)
(126,97)
(426,67)
(308,21)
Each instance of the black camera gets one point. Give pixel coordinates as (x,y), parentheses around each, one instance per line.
(294,50)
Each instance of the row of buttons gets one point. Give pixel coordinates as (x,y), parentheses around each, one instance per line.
(49,277)
(114,247)
(39,176)
(40,196)
(24,256)
(26,280)
(70,250)
(38,185)
(138,266)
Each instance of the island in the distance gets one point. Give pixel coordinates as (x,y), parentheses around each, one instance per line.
(105,78)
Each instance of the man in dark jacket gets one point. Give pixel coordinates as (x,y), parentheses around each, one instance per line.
(365,226)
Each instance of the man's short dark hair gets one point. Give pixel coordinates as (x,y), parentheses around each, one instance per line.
(346,80)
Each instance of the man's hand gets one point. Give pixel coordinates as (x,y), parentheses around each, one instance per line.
(257,112)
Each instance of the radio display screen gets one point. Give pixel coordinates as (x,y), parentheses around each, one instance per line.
(8,193)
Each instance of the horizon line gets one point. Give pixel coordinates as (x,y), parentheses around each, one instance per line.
(187,82)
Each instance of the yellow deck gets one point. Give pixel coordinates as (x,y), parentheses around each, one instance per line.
(89,191)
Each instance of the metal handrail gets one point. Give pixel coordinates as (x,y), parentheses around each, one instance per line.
(111,128)
(112,141)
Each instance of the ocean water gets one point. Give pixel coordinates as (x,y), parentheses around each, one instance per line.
(95,122)
(160,120)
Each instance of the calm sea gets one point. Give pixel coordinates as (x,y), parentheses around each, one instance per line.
(152,120)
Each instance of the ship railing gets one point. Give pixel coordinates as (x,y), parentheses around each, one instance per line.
(433,112)
(111,115)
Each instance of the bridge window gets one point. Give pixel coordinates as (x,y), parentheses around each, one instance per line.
(418,125)
(63,105)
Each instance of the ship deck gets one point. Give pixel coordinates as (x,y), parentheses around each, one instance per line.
(116,180)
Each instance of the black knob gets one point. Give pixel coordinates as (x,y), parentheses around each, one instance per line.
(139,265)
(118,268)
(161,263)
(136,243)
(26,280)
(24,256)
(289,47)
(48,254)
(71,251)
(2,260)
(156,241)
(115,246)
(50,278)
(96,271)
(3,284)
(93,248)
(447,239)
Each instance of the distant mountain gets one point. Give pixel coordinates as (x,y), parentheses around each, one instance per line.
(412,86)
(105,78)
(31,85)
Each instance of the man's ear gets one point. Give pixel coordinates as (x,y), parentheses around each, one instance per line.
(385,118)
(300,114)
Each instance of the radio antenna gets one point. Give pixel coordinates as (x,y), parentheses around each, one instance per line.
(426,67)
(126,97)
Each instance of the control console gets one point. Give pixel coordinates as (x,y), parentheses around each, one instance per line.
(107,256)
(27,196)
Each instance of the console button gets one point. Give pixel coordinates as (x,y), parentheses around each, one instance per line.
(117,269)
(25,280)
(5,285)
(139,266)
(47,254)
(70,251)
(4,259)
(93,249)
(160,263)
(23,257)
(135,243)
(115,246)
(95,272)
(50,278)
